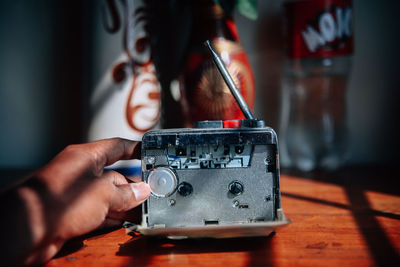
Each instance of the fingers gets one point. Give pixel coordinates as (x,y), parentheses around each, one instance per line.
(134,215)
(106,152)
(128,196)
(114,177)
(76,160)
(110,223)
(134,179)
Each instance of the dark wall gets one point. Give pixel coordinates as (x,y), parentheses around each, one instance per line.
(42,78)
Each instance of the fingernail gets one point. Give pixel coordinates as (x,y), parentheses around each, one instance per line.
(141,190)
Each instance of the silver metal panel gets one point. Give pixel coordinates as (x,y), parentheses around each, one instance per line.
(211,200)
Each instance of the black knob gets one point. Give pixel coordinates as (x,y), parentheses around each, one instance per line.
(235,188)
(239,149)
(185,189)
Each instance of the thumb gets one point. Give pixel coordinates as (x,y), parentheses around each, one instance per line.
(128,196)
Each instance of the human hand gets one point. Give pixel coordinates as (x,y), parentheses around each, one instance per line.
(73,194)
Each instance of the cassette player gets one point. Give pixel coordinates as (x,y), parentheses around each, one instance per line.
(219,179)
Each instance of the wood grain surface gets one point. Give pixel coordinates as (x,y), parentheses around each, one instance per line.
(347,218)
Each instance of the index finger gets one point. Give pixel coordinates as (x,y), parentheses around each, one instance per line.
(108,151)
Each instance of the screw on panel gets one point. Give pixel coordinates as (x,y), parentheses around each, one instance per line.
(171,202)
(151,160)
(239,149)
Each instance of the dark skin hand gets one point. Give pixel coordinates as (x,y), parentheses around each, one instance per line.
(70,196)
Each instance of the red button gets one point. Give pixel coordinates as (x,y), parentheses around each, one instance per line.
(231,124)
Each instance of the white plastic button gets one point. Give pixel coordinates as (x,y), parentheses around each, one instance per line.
(162,181)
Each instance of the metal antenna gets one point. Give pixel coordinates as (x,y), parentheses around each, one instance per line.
(231,84)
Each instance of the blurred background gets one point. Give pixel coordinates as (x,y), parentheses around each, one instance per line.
(53,53)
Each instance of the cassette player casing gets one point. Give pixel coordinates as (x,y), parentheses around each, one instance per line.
(212,180)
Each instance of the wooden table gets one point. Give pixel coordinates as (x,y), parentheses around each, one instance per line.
(347,218)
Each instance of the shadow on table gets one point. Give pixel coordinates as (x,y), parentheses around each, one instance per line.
(356,182)
(143,248)
(77,243)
